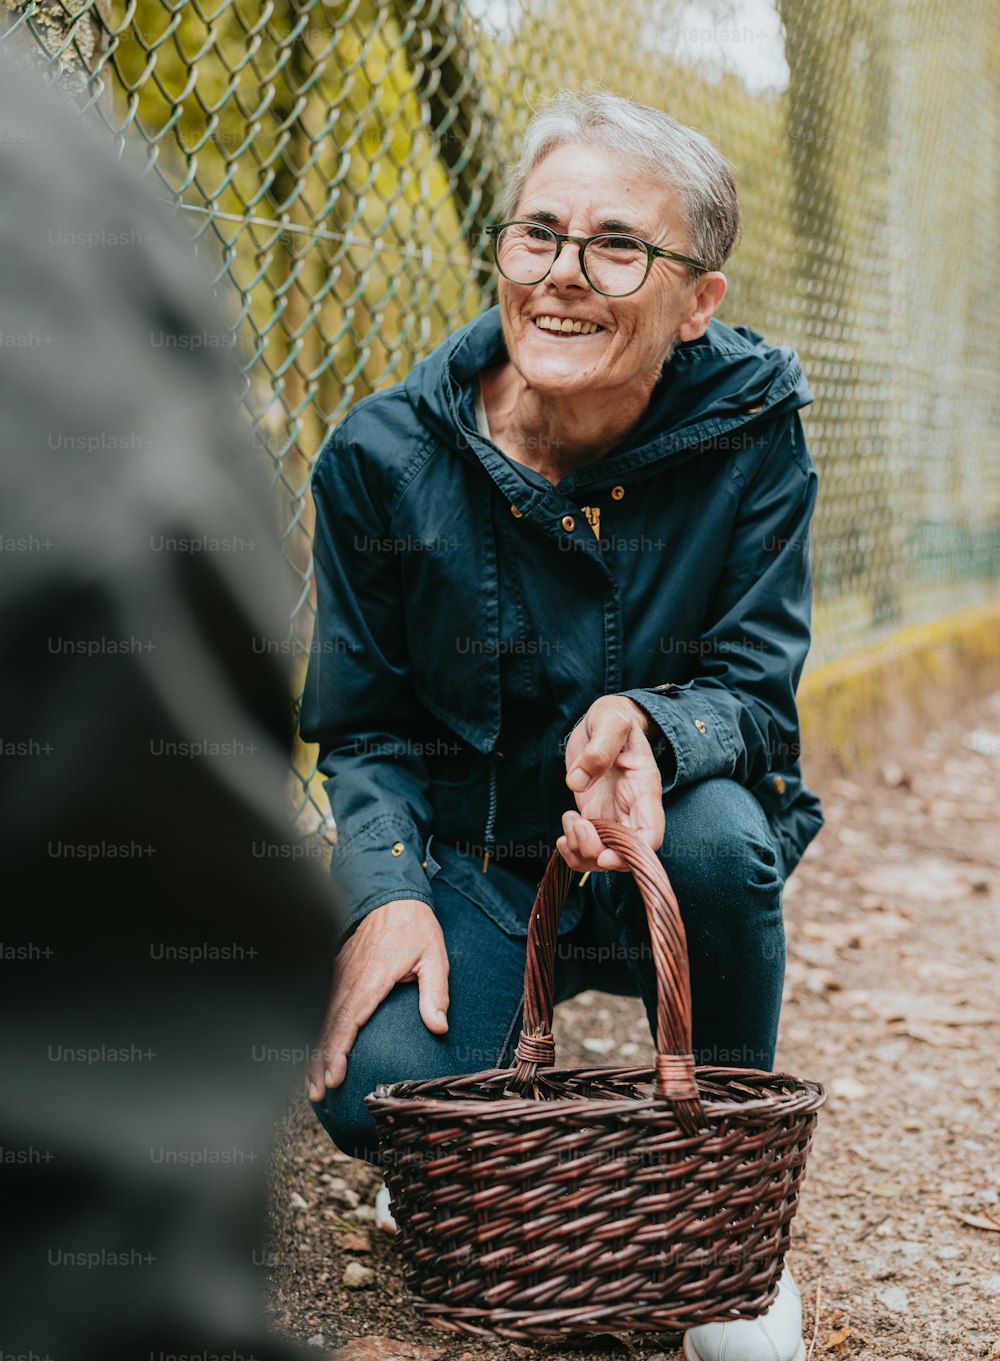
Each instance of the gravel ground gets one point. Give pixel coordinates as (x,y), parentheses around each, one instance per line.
(892,1000)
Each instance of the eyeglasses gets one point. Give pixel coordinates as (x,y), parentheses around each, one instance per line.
(612,264)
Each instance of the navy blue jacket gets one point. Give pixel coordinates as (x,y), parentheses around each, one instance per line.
(468,614)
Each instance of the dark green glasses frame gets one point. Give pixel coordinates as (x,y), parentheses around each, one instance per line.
(560,238)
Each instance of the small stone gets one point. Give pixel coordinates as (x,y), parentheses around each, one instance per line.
(596,1045)
(367,1213)
(894,1298)
(848,1088)
(340,1190)
(358,1277)
(956,1188)
(317,1340)
(298,1202)
(355,1242)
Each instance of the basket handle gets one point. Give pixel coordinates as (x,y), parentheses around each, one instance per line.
(675,1068)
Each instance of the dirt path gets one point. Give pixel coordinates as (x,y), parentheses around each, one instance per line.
(892,1000)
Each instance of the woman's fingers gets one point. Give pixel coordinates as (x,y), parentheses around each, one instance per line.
(348,1012)
(397,942)
(649,819)
(432,976)
(608,728)
(582,848)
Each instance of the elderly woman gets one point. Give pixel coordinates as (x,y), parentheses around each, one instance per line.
(563,574)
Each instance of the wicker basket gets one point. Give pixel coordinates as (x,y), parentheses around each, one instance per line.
(537,1202)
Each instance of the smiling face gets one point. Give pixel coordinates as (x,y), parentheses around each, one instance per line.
(587,190)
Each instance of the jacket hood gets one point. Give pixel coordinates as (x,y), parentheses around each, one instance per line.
(729,376)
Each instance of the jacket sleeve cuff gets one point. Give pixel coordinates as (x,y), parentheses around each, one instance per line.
(380,863)
(692,730)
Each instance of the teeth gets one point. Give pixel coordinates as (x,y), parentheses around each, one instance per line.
(567,326)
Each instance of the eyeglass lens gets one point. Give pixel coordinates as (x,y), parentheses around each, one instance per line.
(614,264)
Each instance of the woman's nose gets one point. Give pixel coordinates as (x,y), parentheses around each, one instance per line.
(566,267)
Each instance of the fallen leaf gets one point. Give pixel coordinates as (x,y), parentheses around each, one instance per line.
(924,878)
(908,1007)
(933,1033)
(936,968)
(836,1339)
(983,1221)
(854,933)
(378,1348)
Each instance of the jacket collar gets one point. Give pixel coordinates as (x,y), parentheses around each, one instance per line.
(712,386)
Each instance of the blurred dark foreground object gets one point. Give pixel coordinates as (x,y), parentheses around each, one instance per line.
(166,955)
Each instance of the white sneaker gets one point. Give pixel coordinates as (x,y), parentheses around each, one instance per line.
(383,1216)
(775,1336)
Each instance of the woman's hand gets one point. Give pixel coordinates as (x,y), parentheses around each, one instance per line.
(395,943)
(611,768)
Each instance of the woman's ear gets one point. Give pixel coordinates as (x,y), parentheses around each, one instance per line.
(709,290)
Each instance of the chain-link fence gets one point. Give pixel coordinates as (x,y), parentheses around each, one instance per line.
(340,160)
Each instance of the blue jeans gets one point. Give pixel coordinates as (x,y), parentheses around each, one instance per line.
(727,874)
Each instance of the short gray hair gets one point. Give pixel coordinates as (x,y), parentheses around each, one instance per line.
(681,158)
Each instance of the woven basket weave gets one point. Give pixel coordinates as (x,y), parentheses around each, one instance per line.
(536,1202)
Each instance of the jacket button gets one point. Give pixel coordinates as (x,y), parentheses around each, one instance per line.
(397,848)
(568,523)
(423,864)
(699,725)
(617,493)
(779,784)
(517,514)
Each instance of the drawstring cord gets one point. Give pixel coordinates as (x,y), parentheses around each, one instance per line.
(491,812)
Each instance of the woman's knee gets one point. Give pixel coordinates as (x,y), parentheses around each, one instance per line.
(392,1045)
(344,1116)
(717,839)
